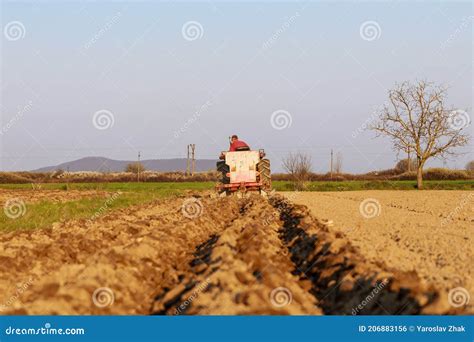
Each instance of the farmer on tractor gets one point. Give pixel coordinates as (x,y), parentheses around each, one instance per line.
(242,169)
(237,145)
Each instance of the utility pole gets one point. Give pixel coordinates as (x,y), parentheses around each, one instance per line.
(193,146)
(138,167)
(409,160)
(187,161)
(331,161)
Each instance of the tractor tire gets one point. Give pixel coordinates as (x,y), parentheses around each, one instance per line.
(223,168)
(263,167)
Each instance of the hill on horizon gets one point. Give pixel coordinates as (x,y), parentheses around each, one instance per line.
(102,164)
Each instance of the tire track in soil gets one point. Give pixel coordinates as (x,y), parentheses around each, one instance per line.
(342,280)
(238,271)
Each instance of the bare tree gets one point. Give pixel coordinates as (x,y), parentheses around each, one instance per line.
(135,167)
(470,166)
(405,165)
(417,119)
(338,163)
(298,165)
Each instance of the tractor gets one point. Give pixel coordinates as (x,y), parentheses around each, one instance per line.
(242,171)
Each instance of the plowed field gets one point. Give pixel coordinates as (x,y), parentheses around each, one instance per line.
(196,254)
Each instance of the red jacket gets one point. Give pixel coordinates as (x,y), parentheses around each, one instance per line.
(237,144)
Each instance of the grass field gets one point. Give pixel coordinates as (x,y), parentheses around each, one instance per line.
(42,213)
(151,186)
(277,185)
(378,185)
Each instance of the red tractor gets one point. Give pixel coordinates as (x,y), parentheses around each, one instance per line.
(244,170)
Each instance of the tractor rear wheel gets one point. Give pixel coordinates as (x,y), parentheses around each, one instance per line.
(223,168)
(263,167)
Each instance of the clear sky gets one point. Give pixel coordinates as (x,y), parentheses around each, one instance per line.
(114,78)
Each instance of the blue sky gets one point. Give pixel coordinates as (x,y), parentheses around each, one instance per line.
(163,89)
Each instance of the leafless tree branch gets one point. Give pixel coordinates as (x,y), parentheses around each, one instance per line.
(418,120)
